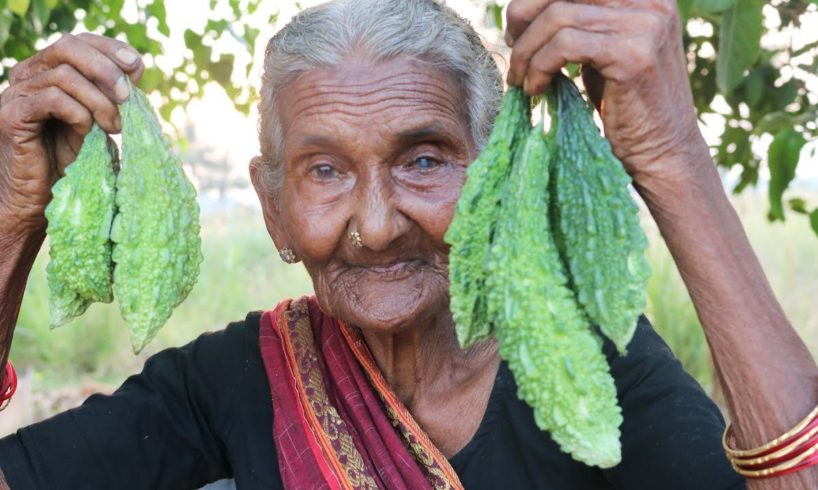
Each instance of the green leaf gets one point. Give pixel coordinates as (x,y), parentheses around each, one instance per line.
(495,13)
(739,42)
(798,205)
(754,87)
(19,7)
(684,8)
(217,27)
(151,79)
(157,10)
(5,26)
(41,14)
(813,221)
(222,69)
(712,6)
(782,158)
(779,120)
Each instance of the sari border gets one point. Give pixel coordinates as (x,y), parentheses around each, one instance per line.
(364,356)
(337,471)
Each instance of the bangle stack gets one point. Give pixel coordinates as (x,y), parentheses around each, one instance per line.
(9,386)
(793,451)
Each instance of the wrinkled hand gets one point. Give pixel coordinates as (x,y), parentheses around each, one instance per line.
(633,67)
(51,102)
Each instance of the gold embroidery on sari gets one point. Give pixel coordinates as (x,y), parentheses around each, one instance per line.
(438,471)
(336,441)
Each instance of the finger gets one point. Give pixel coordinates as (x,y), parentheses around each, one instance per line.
(569,45)
(54,103)
(77,86)
(126,57)
(89,61)
(519,15)
(557,16)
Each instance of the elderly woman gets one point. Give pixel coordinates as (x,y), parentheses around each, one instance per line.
(371,111)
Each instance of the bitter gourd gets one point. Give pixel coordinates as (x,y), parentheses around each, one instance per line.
(595,219)
(157,249)
(556,358)
(79,222)
(471,230)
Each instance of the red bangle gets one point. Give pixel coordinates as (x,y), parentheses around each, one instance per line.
(793,451)
(9,383)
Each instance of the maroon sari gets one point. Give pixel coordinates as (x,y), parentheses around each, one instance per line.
(336,423)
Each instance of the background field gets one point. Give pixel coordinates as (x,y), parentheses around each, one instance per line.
(242,272)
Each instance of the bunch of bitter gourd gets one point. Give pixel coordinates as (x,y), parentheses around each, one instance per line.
(545,244)
(133,234)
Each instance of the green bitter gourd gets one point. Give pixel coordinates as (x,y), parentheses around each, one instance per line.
(79,223)
(471,230)
(157,249)
(595,219)
(556,358)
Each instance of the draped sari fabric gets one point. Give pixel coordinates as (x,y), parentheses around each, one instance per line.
(336,423)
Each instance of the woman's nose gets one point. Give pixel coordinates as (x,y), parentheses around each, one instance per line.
(379,219)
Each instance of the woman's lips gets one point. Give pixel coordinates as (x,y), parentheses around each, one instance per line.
(393,271)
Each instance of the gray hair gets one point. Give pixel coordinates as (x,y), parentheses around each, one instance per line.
(424,30)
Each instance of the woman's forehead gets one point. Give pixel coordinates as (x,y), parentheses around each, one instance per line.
(400,95)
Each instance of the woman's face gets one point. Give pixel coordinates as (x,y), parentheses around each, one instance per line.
(382,149)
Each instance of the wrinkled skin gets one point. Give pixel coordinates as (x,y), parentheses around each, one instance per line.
(348,168)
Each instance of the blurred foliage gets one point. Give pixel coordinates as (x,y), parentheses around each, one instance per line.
(25,22)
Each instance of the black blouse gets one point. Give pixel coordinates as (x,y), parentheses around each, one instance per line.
(202,412)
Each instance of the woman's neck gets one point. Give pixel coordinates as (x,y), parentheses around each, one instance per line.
(424,361)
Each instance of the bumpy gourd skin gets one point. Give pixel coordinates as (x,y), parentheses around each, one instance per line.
(556,358)
(79,222)
(157,249)
(471,230)
(595,219)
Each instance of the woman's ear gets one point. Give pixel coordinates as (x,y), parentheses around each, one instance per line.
(269,207)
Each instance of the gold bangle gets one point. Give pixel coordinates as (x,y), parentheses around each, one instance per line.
(778,453)
(775,469)
(751,453)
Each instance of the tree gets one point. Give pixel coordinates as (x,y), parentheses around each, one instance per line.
(24,23)
(756,85)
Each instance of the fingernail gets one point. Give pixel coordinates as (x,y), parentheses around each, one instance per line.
(526,86)
(509,40)
(127,56)
(121,88)
(118,123)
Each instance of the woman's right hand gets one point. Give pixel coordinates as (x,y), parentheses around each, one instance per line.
(51,102)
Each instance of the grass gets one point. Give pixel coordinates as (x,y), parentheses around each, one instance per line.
(242,272)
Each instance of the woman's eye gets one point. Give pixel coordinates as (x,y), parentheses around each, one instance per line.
(324,171)
(425,163)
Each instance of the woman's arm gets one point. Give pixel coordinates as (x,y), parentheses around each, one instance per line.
(638,71)
(19,251)
(768,375)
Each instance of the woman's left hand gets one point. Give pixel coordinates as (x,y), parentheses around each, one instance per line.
(634,69)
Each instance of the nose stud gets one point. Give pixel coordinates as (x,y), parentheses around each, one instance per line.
(355,239)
